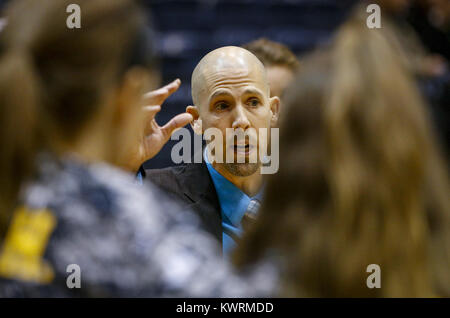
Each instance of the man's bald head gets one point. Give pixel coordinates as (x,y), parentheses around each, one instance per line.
(225,64)
(231,93)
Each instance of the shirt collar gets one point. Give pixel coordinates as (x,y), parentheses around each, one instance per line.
(233,201)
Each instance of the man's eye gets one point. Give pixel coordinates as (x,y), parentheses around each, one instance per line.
(254,102)
(221,106)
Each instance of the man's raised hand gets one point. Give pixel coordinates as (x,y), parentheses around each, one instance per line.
(154,137)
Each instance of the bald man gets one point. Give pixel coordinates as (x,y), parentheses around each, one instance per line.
(229,90)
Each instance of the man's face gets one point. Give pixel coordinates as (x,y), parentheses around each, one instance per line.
(237,98)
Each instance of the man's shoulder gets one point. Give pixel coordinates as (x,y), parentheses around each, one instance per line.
(179,172)
(172,173)
(189,178)
(167,171)
(191,184)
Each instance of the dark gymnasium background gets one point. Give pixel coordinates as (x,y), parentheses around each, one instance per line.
(188,29)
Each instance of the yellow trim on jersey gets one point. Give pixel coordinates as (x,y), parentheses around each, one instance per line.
(25,244)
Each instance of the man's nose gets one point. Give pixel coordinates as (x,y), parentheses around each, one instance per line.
(240,119)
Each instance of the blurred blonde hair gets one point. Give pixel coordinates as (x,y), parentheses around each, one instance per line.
(361,179)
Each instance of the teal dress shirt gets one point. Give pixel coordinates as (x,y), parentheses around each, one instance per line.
(233,204)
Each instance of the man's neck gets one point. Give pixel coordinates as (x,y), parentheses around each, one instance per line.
(250,185)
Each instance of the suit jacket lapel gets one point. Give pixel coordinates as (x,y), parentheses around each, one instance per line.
(199,189)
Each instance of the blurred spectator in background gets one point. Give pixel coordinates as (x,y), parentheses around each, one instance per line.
(431,21)
(71,109)
(394,14)
(361,182)
(280,62)
(421,28)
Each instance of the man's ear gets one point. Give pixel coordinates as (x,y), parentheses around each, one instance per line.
(196,124)
(275,106)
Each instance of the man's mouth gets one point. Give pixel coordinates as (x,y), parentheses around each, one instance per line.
(243,149)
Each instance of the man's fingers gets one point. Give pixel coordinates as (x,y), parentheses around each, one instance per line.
(174,86)
(157,97)
(150,111)
(149,114)
(178,121)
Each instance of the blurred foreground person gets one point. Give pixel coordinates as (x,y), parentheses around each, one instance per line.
(280,62)
(361,182)
(71,109)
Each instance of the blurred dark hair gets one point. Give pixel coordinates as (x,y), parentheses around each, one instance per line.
(361,181)
(53,79)
(272,53)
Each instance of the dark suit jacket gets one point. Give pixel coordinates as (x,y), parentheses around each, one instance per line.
(193,187)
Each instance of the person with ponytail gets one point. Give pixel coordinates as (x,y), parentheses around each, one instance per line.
(362,180)
(73,220)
